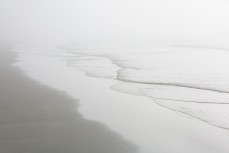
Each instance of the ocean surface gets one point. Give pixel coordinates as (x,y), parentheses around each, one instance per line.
(166,99)
(193,81)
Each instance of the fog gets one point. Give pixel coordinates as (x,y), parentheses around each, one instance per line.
(189,22)
(176,85)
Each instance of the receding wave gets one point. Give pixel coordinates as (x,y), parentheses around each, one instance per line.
(193,81)
(94,66)
(208,106)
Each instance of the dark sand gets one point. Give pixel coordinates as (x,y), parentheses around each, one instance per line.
(37,119)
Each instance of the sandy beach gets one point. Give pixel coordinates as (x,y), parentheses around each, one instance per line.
(37,119)
(95,76)
(151,127)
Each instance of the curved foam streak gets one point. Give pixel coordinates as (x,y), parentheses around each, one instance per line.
(174,72)
(174,93)
(94,66)
(215,115)
(208,106)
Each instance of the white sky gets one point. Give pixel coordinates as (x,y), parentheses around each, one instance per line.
(199,21)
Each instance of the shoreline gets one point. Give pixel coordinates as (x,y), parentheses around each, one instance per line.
(36,118)
(138,119)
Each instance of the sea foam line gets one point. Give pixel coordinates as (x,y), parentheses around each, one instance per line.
(200,81)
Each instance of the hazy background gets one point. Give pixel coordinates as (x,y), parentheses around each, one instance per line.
(116,21)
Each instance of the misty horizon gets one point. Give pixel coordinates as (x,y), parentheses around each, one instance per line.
(116,22)
(114,76)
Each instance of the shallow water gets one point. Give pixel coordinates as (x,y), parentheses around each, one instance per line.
(191,81)
(171,76)
(35,118)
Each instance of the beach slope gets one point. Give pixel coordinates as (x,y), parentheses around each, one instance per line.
(37,119)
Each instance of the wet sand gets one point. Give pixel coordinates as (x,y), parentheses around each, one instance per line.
(35,118)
